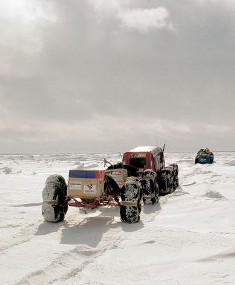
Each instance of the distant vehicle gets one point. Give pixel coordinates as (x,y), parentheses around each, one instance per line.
(141,175)
(204,156)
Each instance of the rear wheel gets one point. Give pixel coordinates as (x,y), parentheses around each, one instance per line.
(150,187)
(155,199)
(54,205)
(172,187)
(150,191)
(176,183)
(165,186)
(130,206)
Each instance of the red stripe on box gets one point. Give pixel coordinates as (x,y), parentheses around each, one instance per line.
(99,174)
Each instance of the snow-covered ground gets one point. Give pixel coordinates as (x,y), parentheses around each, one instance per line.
(188,238)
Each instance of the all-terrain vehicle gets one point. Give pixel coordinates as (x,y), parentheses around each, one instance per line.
(150,162)
(204,156)
(141,175)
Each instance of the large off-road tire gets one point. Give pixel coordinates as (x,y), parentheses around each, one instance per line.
(165,185)
(54,206)
(168,181)
(175,176)
(150,191)
(149,187)
(177,183)
(130,205)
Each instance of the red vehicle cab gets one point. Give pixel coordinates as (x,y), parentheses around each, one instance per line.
(145,157)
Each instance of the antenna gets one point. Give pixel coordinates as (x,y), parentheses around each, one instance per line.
(163,147)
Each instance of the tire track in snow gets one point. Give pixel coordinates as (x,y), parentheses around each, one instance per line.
(69,263)
(91,237)
(66,265)
(24,235)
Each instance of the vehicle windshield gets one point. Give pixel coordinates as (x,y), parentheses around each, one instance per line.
(138,162)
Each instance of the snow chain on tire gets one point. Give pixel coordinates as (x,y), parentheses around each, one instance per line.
(54,206)
(165,184)
(130,205)
(169,179)
(149,187)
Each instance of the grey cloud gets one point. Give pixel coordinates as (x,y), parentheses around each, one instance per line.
(88,64)
(143,20)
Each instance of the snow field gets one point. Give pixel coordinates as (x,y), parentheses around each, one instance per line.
(188,238)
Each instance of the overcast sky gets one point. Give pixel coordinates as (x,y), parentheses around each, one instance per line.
(109,75)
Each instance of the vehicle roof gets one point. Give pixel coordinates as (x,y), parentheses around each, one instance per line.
(146,149)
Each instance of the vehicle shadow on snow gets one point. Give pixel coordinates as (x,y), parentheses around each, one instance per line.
(132,227)
(47,228)
(89,231)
